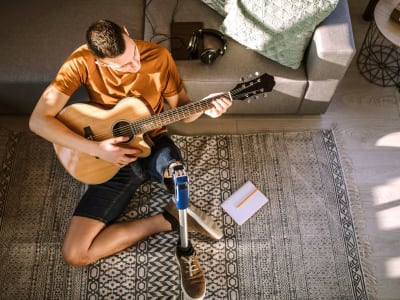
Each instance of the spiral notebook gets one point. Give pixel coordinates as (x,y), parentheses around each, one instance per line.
(244,203)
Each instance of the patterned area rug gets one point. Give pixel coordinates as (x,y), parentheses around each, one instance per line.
(301,245)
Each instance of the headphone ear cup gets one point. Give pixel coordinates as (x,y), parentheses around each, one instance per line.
(208,56)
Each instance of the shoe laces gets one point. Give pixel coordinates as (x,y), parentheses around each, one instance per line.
(191,265)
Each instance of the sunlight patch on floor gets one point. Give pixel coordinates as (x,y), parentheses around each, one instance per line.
(389,140)
(392,267)
(387,204)
(388,219)
(387,193)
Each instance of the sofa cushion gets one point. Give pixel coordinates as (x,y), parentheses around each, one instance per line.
(37,36)
(279,30)
(238,61)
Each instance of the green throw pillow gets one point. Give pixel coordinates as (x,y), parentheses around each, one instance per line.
(280,30)
(217,5)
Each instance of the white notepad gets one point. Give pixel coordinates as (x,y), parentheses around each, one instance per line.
(244,203)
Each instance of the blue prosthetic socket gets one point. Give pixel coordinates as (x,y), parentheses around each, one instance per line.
(181,184)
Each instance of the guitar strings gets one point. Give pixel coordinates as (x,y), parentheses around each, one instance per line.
(144,125)
(141,126)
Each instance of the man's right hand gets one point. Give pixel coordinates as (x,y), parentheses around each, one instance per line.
(110,150)
(43,122)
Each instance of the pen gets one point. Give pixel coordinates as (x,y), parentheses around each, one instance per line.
(247,198)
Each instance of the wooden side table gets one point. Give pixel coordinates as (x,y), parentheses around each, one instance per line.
(379,57)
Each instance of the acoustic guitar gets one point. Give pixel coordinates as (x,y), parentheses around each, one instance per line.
(132,118)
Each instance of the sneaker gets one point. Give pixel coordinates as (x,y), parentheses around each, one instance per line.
(193,281)
(197,221)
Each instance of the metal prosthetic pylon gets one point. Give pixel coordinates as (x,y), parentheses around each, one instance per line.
(181,198)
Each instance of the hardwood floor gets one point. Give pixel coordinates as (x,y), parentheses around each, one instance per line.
(366,119)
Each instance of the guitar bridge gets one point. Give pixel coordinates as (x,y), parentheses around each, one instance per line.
(89,135)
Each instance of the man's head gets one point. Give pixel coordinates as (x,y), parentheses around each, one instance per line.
(112,47)
(105,39)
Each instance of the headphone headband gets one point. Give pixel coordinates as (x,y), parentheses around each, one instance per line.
(209,55)
(219,35)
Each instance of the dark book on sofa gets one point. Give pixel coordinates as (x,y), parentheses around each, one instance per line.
(181,32)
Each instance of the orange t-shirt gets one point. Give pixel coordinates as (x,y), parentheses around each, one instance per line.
(157,78)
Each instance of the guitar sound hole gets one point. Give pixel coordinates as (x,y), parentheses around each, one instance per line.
(122,128)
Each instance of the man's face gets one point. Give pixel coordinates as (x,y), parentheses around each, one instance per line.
(129,61)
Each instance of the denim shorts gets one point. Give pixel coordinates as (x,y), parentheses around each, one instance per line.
(106,201)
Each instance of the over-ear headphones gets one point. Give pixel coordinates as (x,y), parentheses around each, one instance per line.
(208,55)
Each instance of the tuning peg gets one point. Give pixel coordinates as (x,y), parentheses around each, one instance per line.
(265,95)
(256,73)
(250,76)
(242,79)
(256,97)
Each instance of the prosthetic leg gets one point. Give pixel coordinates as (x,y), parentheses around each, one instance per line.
(181,198)
(192,276)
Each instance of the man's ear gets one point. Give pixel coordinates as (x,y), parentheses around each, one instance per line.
(125,30)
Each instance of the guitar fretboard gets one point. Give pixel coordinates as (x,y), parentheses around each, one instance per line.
(172,115)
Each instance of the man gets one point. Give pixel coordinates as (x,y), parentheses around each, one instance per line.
(112,66)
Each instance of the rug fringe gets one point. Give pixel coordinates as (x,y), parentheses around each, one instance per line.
(357,211)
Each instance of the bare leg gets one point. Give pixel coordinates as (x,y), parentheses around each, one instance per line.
(88,240)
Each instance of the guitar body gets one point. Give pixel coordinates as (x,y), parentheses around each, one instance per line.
(96,123)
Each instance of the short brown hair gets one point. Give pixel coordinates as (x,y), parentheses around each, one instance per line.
(105,39)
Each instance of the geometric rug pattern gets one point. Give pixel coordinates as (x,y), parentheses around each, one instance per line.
(301,245)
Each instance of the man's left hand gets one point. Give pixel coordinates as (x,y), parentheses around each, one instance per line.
(220,106)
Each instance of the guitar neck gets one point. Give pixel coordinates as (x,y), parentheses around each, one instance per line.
(173,115)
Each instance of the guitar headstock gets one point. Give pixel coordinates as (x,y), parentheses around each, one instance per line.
(258,85)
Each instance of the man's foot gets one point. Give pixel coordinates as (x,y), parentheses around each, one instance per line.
(197,221)
(193,282)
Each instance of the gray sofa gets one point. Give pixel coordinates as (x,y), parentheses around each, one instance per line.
(37,36)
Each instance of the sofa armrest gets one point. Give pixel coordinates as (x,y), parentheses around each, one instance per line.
(330,53)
